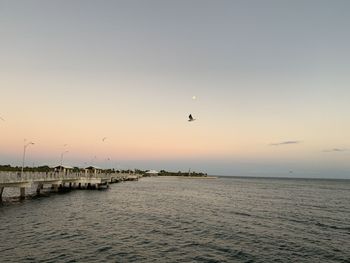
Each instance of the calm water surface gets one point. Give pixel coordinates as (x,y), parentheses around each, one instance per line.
(183,220)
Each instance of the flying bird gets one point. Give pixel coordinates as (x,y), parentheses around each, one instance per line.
(1,118)
(190,118)
(104,138)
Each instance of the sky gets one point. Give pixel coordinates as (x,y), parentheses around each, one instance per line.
(270,80)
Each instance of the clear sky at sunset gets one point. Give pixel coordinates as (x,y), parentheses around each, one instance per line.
(271,80)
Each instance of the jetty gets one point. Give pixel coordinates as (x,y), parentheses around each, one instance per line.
(61,180)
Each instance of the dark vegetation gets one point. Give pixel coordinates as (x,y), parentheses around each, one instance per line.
(9,168)
(46,168)
(179,173)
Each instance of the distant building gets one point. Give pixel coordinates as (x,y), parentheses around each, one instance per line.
(92,170)
(63,168)
(151,173)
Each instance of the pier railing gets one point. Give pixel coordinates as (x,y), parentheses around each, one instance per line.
(58,180)
(17,177)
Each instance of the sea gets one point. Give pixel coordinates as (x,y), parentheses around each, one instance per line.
(168,219)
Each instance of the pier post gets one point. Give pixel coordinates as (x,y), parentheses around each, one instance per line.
(55,187)
(40,186)
(1,191)
(22,192)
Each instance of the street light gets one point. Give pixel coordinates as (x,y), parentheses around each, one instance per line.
(62,159)
(24,153)
(62,156)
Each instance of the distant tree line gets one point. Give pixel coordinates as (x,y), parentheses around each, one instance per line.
(9,168)
(180,173)
(142,172)
(43,168)
(46,168)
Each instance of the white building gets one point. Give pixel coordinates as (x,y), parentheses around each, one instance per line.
(152,173)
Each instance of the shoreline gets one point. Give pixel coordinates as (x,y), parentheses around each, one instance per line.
(188,177)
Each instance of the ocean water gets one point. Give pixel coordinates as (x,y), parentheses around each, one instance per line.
(183,220)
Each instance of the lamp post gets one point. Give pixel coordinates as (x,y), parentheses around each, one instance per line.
(108,162)
(62,159)
(24,153)
(62,156)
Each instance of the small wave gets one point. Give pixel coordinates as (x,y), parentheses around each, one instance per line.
(104,248)
(333,226)
(240,213)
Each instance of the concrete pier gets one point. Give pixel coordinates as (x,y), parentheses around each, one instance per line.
(22,194)
(55,187)
(38,188)
(60,181)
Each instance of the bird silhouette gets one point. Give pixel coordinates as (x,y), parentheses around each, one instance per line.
(190,118)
